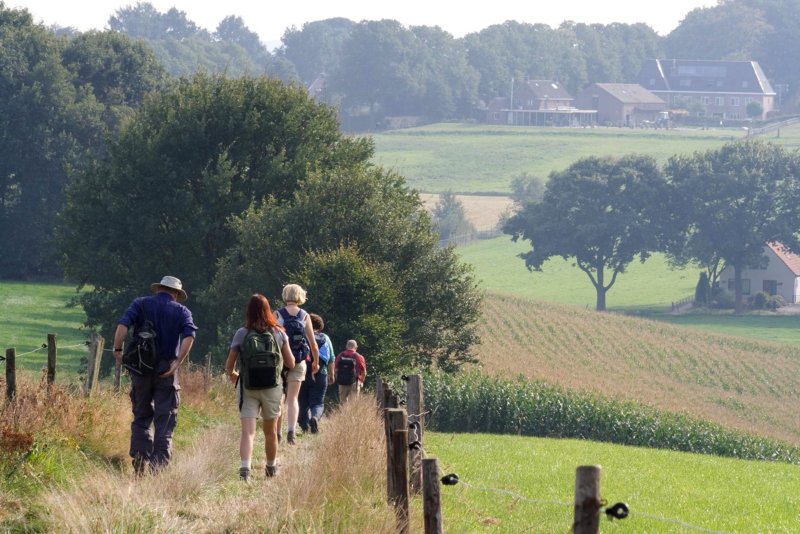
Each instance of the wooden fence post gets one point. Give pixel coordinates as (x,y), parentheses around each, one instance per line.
(379,398)
(11,374)
(207,374)
(431,496)
(415,405)
(587,500)
(93,364)
(397,465)
(52,351)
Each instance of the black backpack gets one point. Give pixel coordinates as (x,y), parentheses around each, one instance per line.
(296,332)
(260,361)
(346,370)
(141,351)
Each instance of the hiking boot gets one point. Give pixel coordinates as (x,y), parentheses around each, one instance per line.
(290,438)
(312,423)
(244,473)
(271,470)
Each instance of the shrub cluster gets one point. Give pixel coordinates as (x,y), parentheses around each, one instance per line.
(472,402)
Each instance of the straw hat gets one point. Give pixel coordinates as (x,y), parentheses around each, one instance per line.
(170,282)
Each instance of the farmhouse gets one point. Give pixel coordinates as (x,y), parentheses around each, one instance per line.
(778,275)
(621,104)
(537,103)
(719,88)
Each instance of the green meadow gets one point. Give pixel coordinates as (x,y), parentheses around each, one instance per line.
(522,484)
(31,311)
(483,159)
(644,286)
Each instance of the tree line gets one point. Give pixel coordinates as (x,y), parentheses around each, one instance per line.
(382,68)
(113,174)
(713,208)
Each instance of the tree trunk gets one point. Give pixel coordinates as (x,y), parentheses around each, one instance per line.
(601,290)
(737,273)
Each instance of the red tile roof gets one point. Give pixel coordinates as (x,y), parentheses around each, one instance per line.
(791,259)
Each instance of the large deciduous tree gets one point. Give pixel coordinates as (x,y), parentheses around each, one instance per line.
(192,157)
(733,200)
(601,212)
(366,221)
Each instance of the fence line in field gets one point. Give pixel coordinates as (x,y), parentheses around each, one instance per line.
(407,461)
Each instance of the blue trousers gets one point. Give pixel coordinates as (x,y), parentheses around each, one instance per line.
(312,397)
(155,402)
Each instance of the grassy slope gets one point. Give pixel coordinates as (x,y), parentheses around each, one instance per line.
(477,158)
(742,383)
(517,484)
(30,311)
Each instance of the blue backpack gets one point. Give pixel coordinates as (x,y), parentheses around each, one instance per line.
(324,351)
(296,332)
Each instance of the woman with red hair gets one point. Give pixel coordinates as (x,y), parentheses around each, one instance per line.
(264,402)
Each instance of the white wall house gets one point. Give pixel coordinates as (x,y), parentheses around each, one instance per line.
(780,275)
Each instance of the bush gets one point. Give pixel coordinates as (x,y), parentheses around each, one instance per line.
(759,300)
(472,402)
(775,302)
(723,299)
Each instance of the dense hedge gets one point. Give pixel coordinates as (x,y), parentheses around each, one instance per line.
(472,402)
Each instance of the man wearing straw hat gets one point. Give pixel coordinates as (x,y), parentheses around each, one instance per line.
(155,396)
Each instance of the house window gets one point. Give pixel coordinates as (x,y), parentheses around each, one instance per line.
(745,285)
(719,101)
(734,101)
(706,100)
(770,286)
(744,84)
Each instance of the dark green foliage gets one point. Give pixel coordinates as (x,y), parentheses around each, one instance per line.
(601,212)
(473,402)
(369,210)
(730,201)
(194,156)
(360,301)
(526,189)
(755,109)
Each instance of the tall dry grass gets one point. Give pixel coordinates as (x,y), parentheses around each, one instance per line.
(330,482)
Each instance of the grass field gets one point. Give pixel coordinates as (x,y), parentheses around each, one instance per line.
(30,311)
(737,382)
(479,158)
(652,285)
(518,484)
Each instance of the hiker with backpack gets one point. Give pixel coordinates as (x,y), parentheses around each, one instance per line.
(350,371)
(297,324)
(312,390)
(155,390)
(261,349)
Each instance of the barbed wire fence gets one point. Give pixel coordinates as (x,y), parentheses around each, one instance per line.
(588,505)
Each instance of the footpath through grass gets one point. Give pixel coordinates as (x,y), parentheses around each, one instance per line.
(520,484)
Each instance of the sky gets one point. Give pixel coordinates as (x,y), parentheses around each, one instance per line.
(270,19)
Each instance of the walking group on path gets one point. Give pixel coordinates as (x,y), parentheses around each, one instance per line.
(280,363)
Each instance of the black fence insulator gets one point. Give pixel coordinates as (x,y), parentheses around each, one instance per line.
(404,378)
(415,446)
(450,480)
(617,511)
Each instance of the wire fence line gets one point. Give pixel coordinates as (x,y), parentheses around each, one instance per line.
(617,511)
(470,237)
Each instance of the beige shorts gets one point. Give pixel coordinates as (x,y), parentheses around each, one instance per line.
(263,403)
(298,373)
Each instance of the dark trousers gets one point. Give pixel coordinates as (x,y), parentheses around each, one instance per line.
(155,402)
(312,397)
